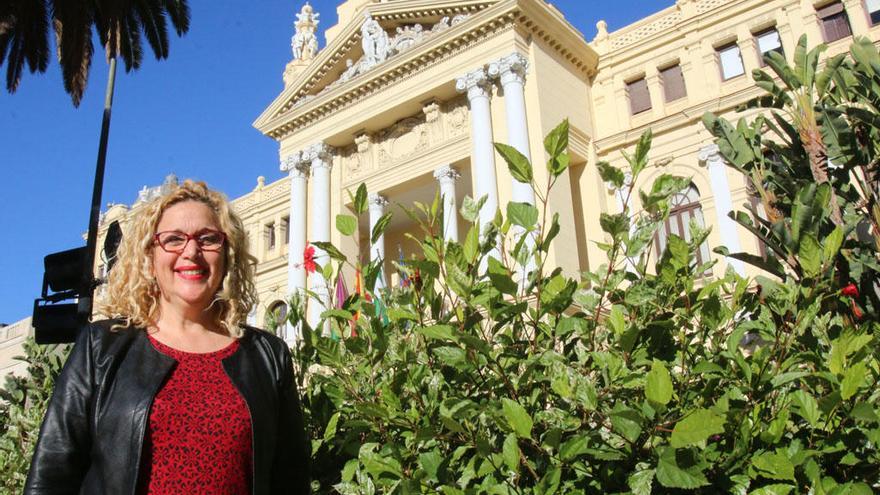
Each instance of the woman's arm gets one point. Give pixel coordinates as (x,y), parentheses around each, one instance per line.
(290,474)
(61,456)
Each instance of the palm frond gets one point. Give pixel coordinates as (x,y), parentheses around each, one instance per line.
(24,39)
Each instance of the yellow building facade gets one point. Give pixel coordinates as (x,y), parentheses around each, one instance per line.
(408,96)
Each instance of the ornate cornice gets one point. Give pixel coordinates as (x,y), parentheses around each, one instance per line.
(282,118)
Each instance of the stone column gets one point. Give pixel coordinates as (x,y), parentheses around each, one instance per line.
(711,157)
(511,71)
(377,205)
(319,155)
(446,176)
(298,171)
(478,88)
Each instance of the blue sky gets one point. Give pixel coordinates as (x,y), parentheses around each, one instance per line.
(190,114)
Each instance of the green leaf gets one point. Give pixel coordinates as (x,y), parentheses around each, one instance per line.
(346,224)
(611,174)
(573,447)
(775,489)
(556,142)
(810,255)
(550,482)
(360,199)
(615,224)
(627,422)
(438,332)
(673,472)
(330,429)
(430,462)
(470,209)
(831,244)
(696,427)
(517,417)
(640,482)
(517,163)
(774,466)
(500,277)
(639,160)
(471,244)
(806,407)
(379,227)
(330,249)
(510,452)
(853,378)
(522,214)
(658,384)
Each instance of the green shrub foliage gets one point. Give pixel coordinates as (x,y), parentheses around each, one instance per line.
(23,402)
(644,375)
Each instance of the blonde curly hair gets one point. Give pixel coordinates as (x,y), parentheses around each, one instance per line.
(132,293)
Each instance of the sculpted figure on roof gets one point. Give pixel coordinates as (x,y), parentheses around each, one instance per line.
(374,41)
(304,42)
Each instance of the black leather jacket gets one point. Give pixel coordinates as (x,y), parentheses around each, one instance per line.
(92,436)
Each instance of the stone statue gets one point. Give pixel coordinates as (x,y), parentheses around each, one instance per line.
(374,41)
(304,42)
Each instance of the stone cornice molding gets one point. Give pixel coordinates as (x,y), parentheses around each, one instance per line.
(475,83)
(538,19)
(446,173)
(510,68)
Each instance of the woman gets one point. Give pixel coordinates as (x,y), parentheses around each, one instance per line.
(176,395)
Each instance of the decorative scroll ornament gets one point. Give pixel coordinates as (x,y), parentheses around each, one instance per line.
(304,43)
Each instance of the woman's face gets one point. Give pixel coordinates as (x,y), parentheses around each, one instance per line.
(189,280)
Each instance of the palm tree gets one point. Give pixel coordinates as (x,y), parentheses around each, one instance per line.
(24,35)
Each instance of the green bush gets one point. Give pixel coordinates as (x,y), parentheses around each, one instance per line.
(643,376)
(23,402)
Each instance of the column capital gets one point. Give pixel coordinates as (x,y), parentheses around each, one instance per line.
(319,155)
(510,68)
(476,83)
(377,201)
(710,153)
(446,173)
(295,165)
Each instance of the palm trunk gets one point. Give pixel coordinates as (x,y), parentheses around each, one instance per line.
(88,279)
(811,138)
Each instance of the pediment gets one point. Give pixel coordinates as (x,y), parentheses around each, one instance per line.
(376,35)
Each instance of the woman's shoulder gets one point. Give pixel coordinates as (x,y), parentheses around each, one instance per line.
(109,334)
(266,340)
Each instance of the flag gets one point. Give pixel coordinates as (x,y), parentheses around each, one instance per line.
(341,296)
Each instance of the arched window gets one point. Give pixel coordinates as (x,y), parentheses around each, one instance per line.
(277,312)
(683,207)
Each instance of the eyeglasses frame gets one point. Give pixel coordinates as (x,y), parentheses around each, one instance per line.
(190,237)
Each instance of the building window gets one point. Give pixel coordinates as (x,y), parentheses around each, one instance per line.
(683,207)
(285,226)
(730,61)
(873,7)
(768,41)
(639,98)
(834,22)
(673,83)
(270,236)
(276,314)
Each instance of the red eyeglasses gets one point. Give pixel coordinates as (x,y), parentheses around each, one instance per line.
(174,241)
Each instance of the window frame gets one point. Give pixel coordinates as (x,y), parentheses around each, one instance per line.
(630,85)
(689,202)
(719,50)
(823,14)
(271,241)
(663,82)
(871,21)
(758,34)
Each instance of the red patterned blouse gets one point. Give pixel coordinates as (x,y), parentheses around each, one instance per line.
(199,437)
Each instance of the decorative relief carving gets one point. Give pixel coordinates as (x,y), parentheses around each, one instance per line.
(351,160)
(378,46)
(662,24)
(456,117)
(707,5)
